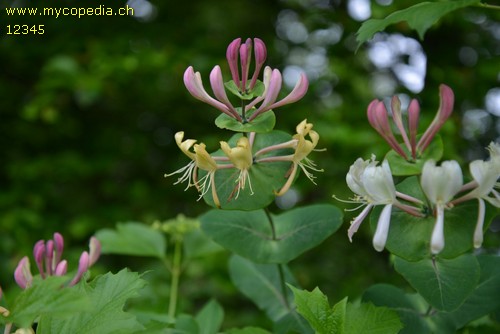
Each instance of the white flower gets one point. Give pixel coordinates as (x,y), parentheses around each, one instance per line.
(374,186)
(440,184)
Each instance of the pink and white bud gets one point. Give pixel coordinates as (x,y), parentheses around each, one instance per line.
(39,255)
(413,116)
(260,52)
(232,60)
(22,274)
(245,59)
(94,250)
(83,266)
(217,84)
(296,94)
(445,109)
(61,268)
(59,246)
(271,93)
(397,117)
(49,257)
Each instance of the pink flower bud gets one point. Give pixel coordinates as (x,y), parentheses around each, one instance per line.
(61,268)
(271,94)
(260,52)
(59,245)
(296,94)
(83,266)
(22,274)
(397,117)
(39,255)
(245,58)
(49,257)
(95,250)
(232,59)
(413,115)
(218,88)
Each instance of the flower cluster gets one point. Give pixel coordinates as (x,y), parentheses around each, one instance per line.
(256,96)
(242,157)
(374,185)
(48,259)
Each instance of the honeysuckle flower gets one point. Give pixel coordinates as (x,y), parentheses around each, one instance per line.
(302,148)
(379,120)
(49,263)
(239,57)
(200,159)
(440,184)
(485,175)
(241,158)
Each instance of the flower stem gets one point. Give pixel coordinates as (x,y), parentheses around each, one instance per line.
(176,273)
(485,5)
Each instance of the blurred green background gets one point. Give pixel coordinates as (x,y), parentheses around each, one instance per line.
(88,111)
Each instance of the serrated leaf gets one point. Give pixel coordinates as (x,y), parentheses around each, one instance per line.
(444,284)
(261,124)
(107,294)
(314,307)
(419,17)
(367,318)
(132,239)
(210,318)
(47,298)
(250,234)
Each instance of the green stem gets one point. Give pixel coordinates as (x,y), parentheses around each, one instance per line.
(281,271)
(176,273)
(488,6)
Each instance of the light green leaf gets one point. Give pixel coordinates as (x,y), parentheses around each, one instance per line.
(108,294)
(250,234)
(198,244)
(266,178)
(401,167)
(314,307)
(261,124)
(258,90)
(367,318)
(47,298)
(247,330)
(210,318)
(419,17)
(186,324)
(444,284)
(132,239)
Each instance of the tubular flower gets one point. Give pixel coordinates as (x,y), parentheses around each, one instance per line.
(49,263)
(241,157)
(239,57)
(440,184)
(200,159)
(485,175)
(379,120)
(374,186)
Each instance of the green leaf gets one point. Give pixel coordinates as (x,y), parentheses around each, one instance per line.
(197,244)
(261,283)
(419,17)
(314,307)
(47,298)
(247,330)
(409,236)
(186,324)
(266,178)
(210,318)
(401,167)
(367,318)
(250,234)
(410,308)
(445,284)
(258,90)
(261,124)
(485,297)
(107,294)
(132,239)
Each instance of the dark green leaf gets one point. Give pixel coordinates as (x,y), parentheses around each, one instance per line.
(419,17)
(247,330)
(445,284)
(261,124)
(367,318)
(250,234)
